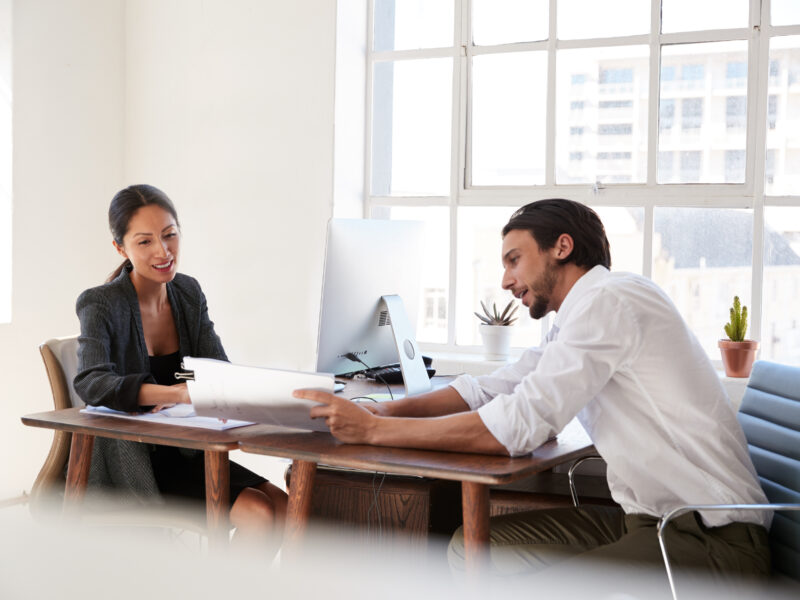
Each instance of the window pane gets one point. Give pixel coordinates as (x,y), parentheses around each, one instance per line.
(780,331)
(412,102)
(411,24)
(508,21)
(783,117)
(700,269)
(624,232)
(593,19)
(694,15)
(431,325)
(785,12)
(508,118)
(606,140)
(703,112)
(480,273)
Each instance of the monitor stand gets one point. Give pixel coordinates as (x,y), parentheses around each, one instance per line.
(415,376)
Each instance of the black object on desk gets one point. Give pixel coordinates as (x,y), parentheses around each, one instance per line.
(390,374)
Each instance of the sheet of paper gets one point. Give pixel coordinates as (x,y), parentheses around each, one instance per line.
(222,389)
(180,414)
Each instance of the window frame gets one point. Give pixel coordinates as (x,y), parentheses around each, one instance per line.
(648,195)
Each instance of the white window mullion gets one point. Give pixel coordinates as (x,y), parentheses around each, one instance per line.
(550,121)
(459,149)
(654,91)
(647,237)
(369,110)
(758,91)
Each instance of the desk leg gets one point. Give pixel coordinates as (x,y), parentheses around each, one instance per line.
(475,505)
(80,459)
(300,490)
(218,491)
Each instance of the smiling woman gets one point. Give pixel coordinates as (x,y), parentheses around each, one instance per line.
(135,331)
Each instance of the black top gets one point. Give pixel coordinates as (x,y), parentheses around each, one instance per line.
(163,368)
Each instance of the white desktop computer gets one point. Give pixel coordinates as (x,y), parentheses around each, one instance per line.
(370,296)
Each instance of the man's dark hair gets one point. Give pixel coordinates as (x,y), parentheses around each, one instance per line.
(546,220)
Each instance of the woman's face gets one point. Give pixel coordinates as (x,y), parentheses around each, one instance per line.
(152,244)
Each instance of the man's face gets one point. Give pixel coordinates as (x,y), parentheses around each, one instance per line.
(530,273)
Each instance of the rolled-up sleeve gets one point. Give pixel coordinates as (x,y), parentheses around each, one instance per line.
(98,381)
(477,391)
(597,339)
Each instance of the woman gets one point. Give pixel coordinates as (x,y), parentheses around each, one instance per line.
(135,330)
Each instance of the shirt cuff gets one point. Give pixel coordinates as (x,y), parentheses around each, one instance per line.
(469,390)
(495,419)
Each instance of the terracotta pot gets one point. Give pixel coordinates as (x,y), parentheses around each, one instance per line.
(738,357)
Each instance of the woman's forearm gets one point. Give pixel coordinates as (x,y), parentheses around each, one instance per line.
(151,394)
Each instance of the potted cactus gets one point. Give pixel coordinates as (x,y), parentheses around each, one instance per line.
(495,330)
(738,353)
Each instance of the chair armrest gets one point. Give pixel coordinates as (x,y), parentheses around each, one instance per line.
(571,476)
(681,510)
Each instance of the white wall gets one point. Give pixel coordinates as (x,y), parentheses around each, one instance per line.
(67,161)
(230,111)
(225,104)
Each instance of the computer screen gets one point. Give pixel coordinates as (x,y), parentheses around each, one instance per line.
(365,260)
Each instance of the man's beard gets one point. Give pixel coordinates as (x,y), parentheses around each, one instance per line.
(542,290)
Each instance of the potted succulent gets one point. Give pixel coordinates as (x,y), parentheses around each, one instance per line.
(495,330)
(738,353)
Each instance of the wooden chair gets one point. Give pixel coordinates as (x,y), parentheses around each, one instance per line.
(60,356)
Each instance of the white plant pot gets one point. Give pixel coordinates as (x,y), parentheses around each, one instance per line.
(496,341)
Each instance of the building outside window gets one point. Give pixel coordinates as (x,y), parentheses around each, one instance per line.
(477,107)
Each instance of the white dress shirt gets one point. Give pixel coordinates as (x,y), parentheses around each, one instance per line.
(622,359)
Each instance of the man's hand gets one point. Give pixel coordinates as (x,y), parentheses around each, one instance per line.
(348,421)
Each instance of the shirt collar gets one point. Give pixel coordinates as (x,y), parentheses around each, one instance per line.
(578,290)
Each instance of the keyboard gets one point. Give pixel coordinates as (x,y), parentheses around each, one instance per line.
(391,374)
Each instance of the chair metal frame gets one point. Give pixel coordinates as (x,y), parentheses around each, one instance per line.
(682,510)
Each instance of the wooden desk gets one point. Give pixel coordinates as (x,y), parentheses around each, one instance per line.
(476,472)
(215,445)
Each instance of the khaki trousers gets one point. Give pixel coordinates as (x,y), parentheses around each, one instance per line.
(566,542)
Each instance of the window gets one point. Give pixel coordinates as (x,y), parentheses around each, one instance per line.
(691,113)
(734,166)
(693,72)
(612,104)
(735,112)
(473,114)
(616,76)
(666,113)
(615,129)
(772,111)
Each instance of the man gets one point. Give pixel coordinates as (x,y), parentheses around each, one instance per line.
(621,359)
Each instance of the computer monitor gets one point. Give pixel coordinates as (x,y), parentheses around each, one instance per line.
(370,295)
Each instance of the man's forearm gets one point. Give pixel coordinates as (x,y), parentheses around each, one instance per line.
(464,432)
(444,401)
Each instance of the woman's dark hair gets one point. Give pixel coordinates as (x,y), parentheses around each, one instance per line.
(125,204)
(546,220)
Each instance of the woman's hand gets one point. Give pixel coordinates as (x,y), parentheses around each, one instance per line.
(349,422)
(182,391)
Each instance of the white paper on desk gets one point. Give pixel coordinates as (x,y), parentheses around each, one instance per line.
(180,414)
(222,389)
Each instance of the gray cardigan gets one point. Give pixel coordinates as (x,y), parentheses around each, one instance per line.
(113,364)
